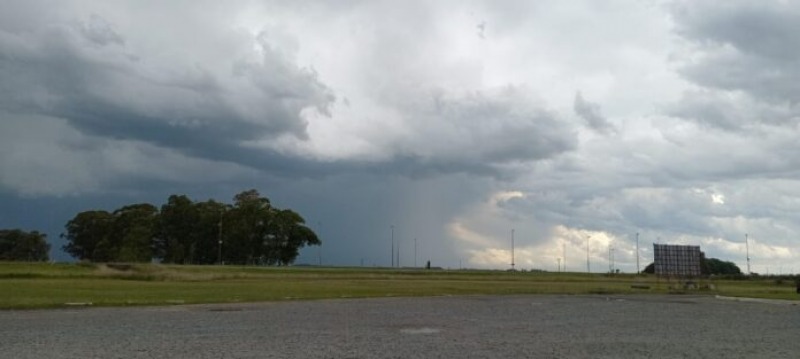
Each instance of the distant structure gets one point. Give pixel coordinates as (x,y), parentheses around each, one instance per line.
(677,260)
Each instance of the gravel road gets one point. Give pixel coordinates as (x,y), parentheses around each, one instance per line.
(440,327)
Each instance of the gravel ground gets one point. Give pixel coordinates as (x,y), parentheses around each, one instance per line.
(441,327)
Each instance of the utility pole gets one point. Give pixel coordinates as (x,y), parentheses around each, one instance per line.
(564,255)
(219,241)
(392,257)
(588,267)
(613,259)
(512,249)
(637,253)
(747,248)
(559,264)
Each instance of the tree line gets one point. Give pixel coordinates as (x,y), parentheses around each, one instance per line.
(19,245)
(708,266)
(249,231)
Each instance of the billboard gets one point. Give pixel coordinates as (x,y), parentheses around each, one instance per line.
(676,260)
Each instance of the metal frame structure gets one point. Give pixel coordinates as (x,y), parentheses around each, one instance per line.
(677,260)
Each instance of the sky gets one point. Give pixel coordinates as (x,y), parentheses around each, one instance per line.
(571,128)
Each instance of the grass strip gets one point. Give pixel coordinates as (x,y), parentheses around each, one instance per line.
(42,285)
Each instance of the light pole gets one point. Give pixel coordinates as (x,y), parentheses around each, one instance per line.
(219,252)
(637,253)
(588,267)
(392,246)
(612,259)
(219,240)
(512,249)
(747,247)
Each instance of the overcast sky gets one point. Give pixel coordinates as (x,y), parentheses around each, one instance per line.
(570,122)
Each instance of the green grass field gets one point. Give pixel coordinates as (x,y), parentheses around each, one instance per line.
(42,285)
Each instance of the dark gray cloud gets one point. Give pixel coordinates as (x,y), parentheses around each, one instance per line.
(590,112)
(83,72)
(754,31)
(483,130)
(99,31)
(749,53)
(733,111)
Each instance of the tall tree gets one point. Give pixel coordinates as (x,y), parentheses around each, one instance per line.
(209,245)
(133,232)
(288,233)
(245,228)
(87,235)
(176,230)
(18,245)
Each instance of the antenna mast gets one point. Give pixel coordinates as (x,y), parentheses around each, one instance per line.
(747,248)
(512,249)
(637,253)
(588,268)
